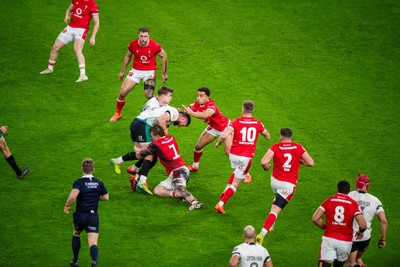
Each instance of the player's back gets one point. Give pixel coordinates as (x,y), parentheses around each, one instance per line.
(245,135)
(287,157)
(370,206)
(251,254)
(90,189)
(168,152)
(340,211)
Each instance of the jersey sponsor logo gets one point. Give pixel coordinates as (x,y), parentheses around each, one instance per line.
(140,137)
(91,185)
(65,30)
(144,59)
(130,73)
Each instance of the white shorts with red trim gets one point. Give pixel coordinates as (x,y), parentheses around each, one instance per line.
(137,75)
(240,164)
(70,34)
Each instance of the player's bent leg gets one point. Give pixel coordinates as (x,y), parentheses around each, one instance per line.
(57,46)
(162,191)
(149,86)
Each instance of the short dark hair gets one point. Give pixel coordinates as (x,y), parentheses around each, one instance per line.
(157,130)
(248,106)
(144,29)
(165,90)
(187,116)
(88,165)
(286,132)
(343,187)
(205,90)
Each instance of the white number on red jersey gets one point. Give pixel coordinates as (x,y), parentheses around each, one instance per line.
(248,134)
(176,155)
(286,166)
(339,214)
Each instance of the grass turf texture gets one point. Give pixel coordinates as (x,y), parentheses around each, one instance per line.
(327,69)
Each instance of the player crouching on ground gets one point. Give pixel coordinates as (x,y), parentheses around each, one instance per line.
(166,148)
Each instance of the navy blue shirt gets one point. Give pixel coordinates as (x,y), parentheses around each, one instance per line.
(90,189)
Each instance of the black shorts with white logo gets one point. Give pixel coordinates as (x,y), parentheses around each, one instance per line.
(140,131)
(87,221)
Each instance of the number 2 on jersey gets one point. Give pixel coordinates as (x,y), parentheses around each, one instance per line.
(286,166)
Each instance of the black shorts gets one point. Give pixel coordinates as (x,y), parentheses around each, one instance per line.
(86,221)
(140,131)
(360,246)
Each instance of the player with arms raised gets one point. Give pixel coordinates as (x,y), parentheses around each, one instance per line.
(287,158)
(245,132)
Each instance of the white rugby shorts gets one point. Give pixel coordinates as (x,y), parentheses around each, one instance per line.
(334,249)
(137,75)
(70,34)
(240,164)
(285,189)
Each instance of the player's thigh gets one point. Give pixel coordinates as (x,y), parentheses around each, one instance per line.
(204,139)
(127,86)
(240,164)
(343,250)
(79,220)
(92,223)
(327,250)
(284,189)
(140,131)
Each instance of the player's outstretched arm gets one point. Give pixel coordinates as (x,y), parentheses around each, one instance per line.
(227,132)
(164,63)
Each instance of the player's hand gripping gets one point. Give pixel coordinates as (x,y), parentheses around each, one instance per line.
(381,243)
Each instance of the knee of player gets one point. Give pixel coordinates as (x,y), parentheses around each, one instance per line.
(158,190)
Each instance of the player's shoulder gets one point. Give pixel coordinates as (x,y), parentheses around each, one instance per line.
(154,43)
(373,198)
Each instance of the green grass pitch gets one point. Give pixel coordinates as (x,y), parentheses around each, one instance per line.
(327,69)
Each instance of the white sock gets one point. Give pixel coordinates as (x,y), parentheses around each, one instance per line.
(82,69)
